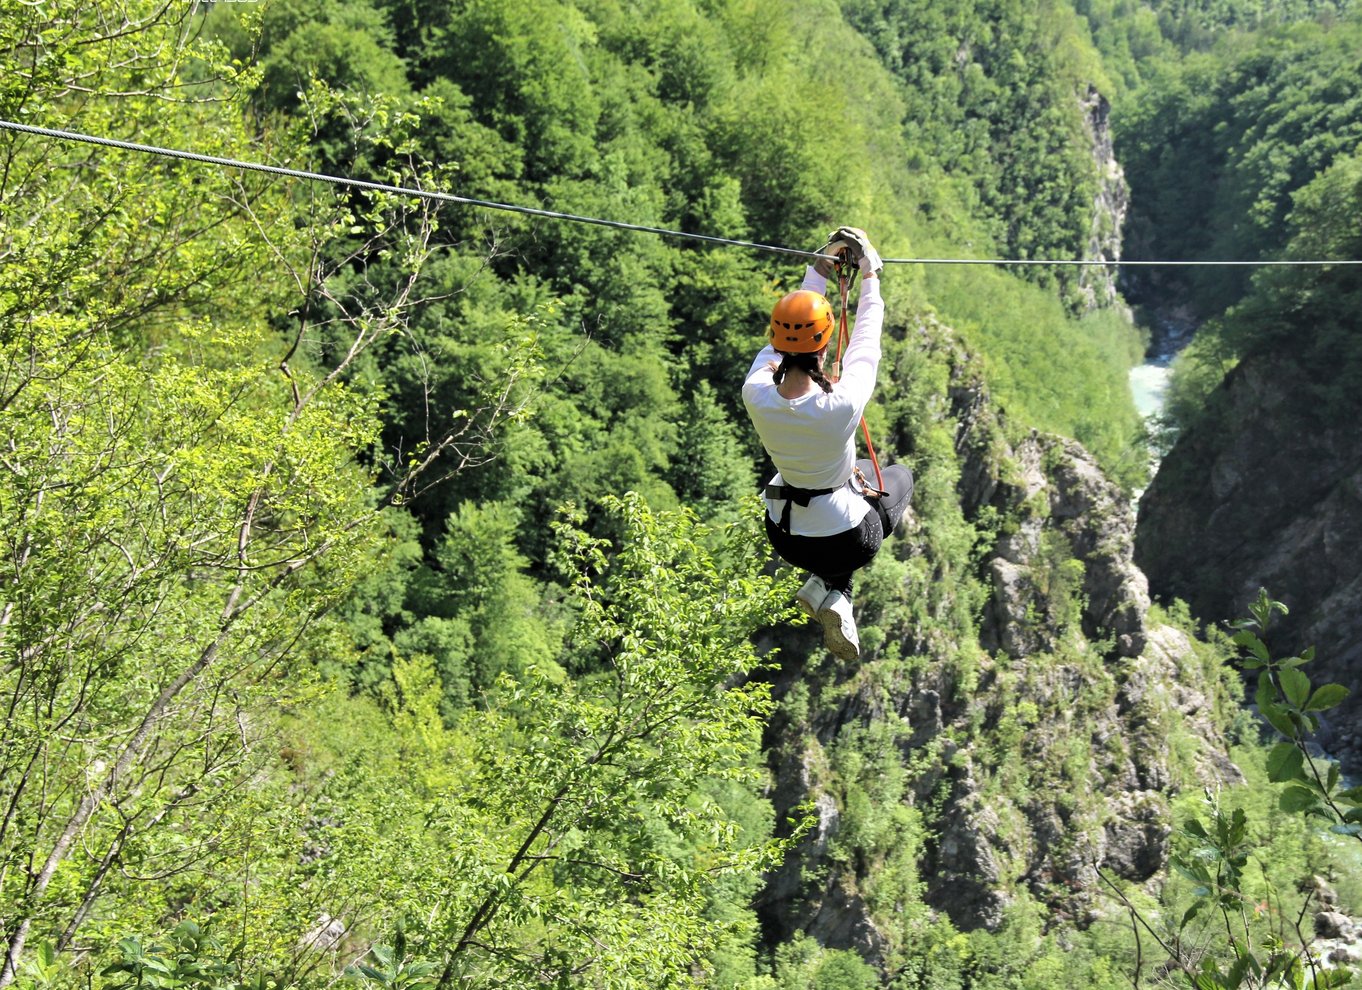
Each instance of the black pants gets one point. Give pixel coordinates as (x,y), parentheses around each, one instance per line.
(834,558)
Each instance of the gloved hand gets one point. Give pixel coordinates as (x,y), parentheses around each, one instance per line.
(835,245)
(862,251)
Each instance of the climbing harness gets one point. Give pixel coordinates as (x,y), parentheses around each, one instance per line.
(797,496)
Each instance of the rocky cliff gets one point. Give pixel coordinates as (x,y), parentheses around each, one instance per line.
(1110,204)
(1019,720)
(1262,494)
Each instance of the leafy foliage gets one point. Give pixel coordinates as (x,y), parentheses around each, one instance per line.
(1291,706)
(990,97)
(1216,146)
(1253,941)
(309,671)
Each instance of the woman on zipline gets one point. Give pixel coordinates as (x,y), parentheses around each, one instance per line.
(822,513)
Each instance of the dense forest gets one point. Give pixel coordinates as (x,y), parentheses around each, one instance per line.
(385,594)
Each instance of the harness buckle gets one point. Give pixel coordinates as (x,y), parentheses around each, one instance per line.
(867,489)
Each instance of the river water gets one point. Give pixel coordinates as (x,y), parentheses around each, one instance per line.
(1148,382)
(1168,335)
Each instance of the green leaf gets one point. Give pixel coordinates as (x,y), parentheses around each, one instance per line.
(1328,978)
(1326,696)
(1238,971)
(1190,913)
(1252,643)
(1192,871)
(1297,798)
(1284,762)
(1267,691)
(188,930)
(1295,685)
(1279,718)
(1265,605)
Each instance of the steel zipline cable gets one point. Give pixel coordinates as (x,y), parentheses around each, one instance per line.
(443,197)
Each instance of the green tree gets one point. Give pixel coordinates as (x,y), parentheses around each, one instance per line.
(175,512)
(479,581)
(594,782)
(1306,314)
(802,964)
(1215,147)
(572,829)
(710,470)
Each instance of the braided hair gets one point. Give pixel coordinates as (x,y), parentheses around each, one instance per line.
(807,363)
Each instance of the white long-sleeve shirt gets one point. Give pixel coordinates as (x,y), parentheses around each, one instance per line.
(812,439)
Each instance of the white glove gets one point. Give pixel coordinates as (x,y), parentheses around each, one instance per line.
(862,251)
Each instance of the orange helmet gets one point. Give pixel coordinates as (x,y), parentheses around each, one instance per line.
(801,323)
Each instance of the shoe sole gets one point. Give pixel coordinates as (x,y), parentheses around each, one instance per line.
(834,639)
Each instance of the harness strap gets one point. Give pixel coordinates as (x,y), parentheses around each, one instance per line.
(877,500)
(796,496)
(803,496)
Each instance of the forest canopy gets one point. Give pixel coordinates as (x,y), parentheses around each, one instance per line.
(385,596)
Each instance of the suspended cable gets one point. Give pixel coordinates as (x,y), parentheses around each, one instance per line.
(1122,263)
(339,180)
(443,197)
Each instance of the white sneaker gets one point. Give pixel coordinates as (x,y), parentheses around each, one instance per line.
(839,627)
(809,597)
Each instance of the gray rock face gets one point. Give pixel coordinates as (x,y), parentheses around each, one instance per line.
(1075,513)
(1338,937)
(1260,498)
(1159,682)
(1110,204)
(1332,924)
(1068,509)
(1137,834)
(966,872)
